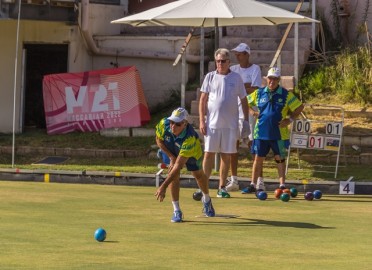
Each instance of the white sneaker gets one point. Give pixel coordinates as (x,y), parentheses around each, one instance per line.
(232,186)
(260,184)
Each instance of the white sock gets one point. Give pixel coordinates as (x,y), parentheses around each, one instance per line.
(176,205)
(234,178)
(260,178)
(206,198)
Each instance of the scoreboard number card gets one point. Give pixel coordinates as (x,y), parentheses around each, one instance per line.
(316,142)
(299,140)
(333,128)
(302,126)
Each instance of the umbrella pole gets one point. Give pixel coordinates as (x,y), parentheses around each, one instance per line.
(183,80)
(15,82)
(201,55)
(296,54)
(216,34)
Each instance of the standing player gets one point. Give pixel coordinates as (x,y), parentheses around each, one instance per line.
(251,76)
(219,116)
(275,104)
(178,140)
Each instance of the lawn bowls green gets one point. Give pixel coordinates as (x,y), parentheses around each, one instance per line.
(197,195)
(309,196)
(258,192)
(317,194)
(278,192)
(285,197)
(100,235)
(294,192)
(262,195)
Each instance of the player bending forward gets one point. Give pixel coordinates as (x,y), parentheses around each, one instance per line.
(178,140)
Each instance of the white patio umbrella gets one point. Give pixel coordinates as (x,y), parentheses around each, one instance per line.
(207,12)
(212,13)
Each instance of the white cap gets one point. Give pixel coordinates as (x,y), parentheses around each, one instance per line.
(242,47)
(273,72)
(178,115)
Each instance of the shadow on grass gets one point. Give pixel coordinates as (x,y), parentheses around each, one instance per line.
(358,199)
(257,222)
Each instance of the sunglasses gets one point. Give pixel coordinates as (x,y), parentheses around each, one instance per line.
(222,61)
(176,124)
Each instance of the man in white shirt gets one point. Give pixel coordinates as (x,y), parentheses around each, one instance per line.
(218,102)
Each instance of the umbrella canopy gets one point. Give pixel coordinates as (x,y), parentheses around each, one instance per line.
(206,12)
(212,13)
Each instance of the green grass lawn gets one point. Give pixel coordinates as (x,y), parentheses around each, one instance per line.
(51,226)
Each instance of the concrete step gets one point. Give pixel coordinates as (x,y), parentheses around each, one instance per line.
(257,43)
(261,31)
(194,109)
(194,120)
(287,57)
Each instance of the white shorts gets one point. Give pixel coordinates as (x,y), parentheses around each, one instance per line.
(222,140)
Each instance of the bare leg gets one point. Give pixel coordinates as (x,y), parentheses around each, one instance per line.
(261,173)
(224,168)
(257,168)
(208,163)
(234,162)
(202,181)
(281,170)
(175,189)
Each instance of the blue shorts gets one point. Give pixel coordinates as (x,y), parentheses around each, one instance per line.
(165,159)
(192,164)
(262,147)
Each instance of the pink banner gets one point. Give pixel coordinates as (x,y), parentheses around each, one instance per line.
(94,100)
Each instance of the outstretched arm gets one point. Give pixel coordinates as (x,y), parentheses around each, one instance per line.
(173,174)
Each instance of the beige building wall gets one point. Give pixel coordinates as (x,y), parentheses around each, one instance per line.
(153,57)
(30,32)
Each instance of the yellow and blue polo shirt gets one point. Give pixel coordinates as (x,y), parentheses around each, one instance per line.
(273,107)
(187,144)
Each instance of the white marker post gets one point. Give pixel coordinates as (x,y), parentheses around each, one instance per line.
(157,177)
(347,187)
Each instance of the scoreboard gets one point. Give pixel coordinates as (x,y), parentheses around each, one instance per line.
(303,136)
(320,129)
